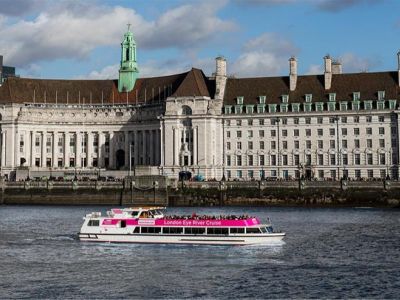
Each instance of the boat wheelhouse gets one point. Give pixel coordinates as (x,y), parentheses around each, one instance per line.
(150,225)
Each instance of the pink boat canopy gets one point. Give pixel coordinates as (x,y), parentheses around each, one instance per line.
(185,222)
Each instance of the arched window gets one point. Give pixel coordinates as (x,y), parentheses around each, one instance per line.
(186,110)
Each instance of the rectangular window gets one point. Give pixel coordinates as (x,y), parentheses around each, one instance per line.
(333,159)
(296,121)
(284,145)
(284,133)
(370,173)
(331,131)
(250,134)
(368,119)
(308,120)
(320,144)
(308,144)
(368,130)
(261,122)
(369,159)
(382,158)
(320,120)
(369,143)
(296,144)
(296,132)
(250,145)
(284,160)
(238,160)
(262,160)
(228,160)
(321,174)
(261,133)
(250,160)
(262,146)
(332,144)
(344,144)
(345,160)
(296,159)
(357,174)
(320,159)
(357,143)
(273,145)
(357,159)
(356,119)
(382,143)
(239,145)
(308,132)
(228,146)
(356,131)
(320,131)
(273,160)
(381,130)
(239,134)
(228,134)
(273,133)
(344,131)
(308,159)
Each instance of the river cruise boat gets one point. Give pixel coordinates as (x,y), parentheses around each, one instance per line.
(150,225)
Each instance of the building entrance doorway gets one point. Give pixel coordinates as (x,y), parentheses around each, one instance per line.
(120,159)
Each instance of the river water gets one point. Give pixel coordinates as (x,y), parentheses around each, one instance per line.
(328,253)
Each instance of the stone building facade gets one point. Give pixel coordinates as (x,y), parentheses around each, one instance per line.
(318,126)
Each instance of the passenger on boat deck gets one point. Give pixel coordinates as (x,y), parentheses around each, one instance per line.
(208,217)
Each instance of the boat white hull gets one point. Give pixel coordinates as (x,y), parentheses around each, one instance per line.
(184,239)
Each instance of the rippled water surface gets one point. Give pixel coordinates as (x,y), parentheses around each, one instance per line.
(328,253)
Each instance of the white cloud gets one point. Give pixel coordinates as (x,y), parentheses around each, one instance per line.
(354,63)
(315,70)
(72,30)
(266,55)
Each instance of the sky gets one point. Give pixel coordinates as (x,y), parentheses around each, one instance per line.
(72,39)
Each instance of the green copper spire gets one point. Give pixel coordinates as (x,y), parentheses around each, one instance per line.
(128,71)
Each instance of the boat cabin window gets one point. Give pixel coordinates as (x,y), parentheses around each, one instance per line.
(134,213)
(195,230)
(253,230)
(172,230)
(269,229)
(136,230)
(123,223)
(94,223)
(263,229)
(237,230)
(151,229)
(217,230)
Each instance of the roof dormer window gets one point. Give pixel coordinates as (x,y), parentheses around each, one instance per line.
(356,96)
(381,95)
(285,98)
(332,97)
(239,100)
(308,97)
(262,99)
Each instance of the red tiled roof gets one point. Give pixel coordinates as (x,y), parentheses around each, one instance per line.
(146,90)
(368,84)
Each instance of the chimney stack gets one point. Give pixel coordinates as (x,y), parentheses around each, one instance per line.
(220,77)
(292,73)
(328,72)
(336,67)
(398,67)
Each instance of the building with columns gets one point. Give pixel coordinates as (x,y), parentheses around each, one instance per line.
(318,126)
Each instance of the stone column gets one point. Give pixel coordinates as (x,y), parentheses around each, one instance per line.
(151,146)
(101,153)
(144,147)
(55,149)
(195,161)
(43,153)
(89,149)
(157,147)
(136,147)
(162,146)
(3,149)
(17,150)
(27,148)
(33,148)
(111,154)
(67,141)
(78,149)
(127,148)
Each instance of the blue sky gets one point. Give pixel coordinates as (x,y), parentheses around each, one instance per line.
(80,39)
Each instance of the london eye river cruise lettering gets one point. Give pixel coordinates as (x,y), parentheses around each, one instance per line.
(150,225)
